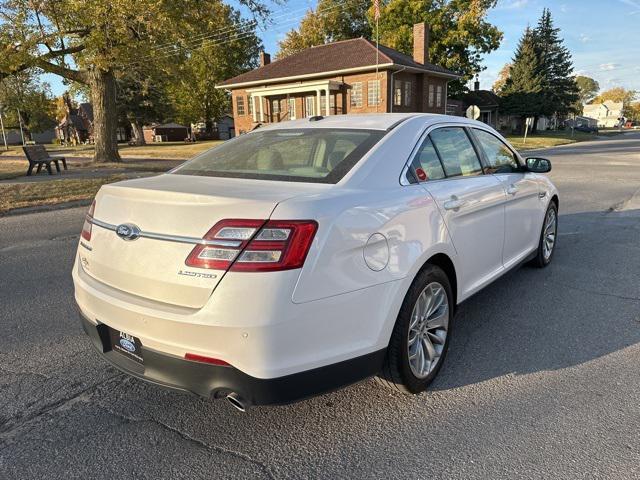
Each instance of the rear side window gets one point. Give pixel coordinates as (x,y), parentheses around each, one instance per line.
(456,152)
(305,155)
(427,160)
(499,157)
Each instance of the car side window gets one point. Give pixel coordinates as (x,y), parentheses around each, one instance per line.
(426,164)
(456,152)
(499,157)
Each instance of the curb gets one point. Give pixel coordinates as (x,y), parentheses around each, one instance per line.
(46,208)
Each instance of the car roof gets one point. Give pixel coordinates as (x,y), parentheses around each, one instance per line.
(367,121)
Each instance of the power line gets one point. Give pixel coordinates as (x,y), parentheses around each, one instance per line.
(243,28)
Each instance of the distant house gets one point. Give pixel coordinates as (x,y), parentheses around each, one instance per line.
(77,124)
(339,78)
(487,102)
(581,121)
(608,114)
(223,129)
(167,132)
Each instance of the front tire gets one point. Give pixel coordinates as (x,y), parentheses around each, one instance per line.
(548,238)
(420,338)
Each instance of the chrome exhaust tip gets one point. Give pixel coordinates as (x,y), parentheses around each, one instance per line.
(237,401)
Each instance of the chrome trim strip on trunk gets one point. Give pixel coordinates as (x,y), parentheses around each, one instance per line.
(169,238)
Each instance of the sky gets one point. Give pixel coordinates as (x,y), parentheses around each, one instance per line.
(601,34)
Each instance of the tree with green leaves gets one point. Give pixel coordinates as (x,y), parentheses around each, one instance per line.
(522,91)
(559,89)
(24,93)
(142,100)
(588,88)
(330,21)
(460,33)
(90,42)
(192,89)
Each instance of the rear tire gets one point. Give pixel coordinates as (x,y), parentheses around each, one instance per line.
(421,335)
(548,238)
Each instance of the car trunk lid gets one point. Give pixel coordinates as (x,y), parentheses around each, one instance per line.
(172,212)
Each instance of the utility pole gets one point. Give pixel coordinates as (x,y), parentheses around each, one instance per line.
(4,136)
(20,121)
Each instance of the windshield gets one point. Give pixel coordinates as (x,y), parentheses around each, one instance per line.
(302,155)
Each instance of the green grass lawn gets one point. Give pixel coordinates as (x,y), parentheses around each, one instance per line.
(548,139)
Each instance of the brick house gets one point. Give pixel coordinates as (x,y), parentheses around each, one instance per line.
(339,78)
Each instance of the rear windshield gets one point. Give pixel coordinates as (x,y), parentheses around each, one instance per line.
(302,155)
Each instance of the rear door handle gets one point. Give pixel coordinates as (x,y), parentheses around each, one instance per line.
(454,204)
(512,190)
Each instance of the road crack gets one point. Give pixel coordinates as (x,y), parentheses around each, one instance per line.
(191,439)
(10,426)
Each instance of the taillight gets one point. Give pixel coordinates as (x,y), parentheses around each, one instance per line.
(254,245)
(86,228)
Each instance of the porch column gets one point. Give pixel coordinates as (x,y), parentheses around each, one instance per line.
(261,109)
(328,102)
(253,108)
(288,108)
(318,103)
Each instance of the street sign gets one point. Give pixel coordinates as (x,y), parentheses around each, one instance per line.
(473,112)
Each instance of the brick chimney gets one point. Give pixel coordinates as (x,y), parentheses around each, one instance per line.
(421,42)
(265,59)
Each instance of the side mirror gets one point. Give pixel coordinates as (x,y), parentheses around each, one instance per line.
(538,165)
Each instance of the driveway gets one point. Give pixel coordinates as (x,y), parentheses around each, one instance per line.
(542,379)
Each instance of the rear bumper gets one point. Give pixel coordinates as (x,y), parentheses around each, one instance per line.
(216,381)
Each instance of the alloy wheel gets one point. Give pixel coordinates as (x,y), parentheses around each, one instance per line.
(549,233)
(428,329)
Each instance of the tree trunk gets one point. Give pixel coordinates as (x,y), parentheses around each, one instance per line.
(534,127)
(105,117)
(138,134)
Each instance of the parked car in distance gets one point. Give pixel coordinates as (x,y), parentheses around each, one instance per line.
(586,129)
(308,255)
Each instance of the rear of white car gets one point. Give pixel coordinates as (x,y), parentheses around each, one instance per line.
(189,281)
(281,269)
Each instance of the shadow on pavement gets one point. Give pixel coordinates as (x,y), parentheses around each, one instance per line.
(585,305)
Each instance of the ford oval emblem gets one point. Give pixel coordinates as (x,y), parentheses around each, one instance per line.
(128,231)
(128,345)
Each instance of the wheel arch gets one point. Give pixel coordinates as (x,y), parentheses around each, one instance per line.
(556,200)
(443,261)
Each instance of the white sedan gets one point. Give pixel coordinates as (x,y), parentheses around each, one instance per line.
(309,254)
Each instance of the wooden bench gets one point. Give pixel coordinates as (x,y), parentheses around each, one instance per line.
(38,156)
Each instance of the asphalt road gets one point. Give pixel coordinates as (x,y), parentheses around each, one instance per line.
(542,379)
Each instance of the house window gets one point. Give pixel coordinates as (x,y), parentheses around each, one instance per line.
(250,104)
(356,95)
(276,106)
(397,93)
(240,104)
(332,103)
(407,94)
(292,109)
(431,95)
(439,96)
(309,104)
(373,92)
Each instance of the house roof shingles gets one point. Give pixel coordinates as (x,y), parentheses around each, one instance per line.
(346,54)
(482,98)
